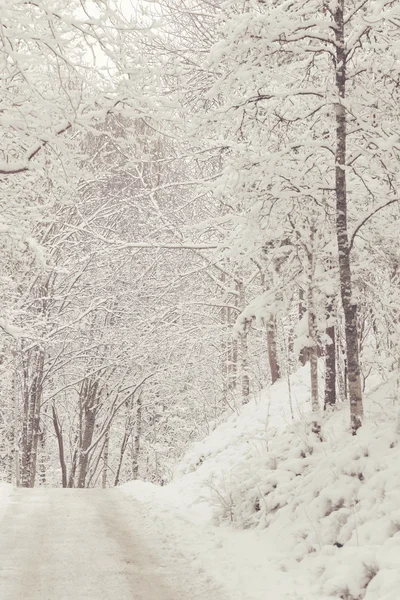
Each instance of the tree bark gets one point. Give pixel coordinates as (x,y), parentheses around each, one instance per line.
(349,306)
(273,350)
(90,403)
(137,438)
(60,441)
(245,366)
(304,352)
(31,415)
(313,337)
(105,459)
(121,457)
(244,347)
(330,359)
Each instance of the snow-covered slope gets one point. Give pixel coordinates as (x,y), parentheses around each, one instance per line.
(323,514)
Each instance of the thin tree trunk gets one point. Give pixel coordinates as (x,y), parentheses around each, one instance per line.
(330,359)
(224,357)
(233,363)
(60,441)
(304,352)
(349,307)
(74,466)
(245,366)
(25,411)
(244,347)
(89,407)
(339,369)
(11,466)
(313,337)
(121,457)
(125,440)
(93,474)
(233,346)
(31,414)
(273,350)
(105,459)
(42,463)
(137,438)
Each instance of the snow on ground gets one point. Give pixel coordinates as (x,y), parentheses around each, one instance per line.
(92,544)
(232,561)
(297,518)
(5,497)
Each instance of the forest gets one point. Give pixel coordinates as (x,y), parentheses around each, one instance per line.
(198,197)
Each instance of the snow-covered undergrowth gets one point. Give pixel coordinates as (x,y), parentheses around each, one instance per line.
(5,496)
(323,514)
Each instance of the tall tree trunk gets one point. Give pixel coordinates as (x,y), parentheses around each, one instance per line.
(232,351)
(25,455)
(313,337)
(127,435)
(330,358)
(32,364)
(137,438)
(244,359)
(304,352)
(346,289)
(90,403)
(273,350)
(42,456)
(60,441)
(105,459)
(224,355)
(124,445)
(245,365)
(13,441)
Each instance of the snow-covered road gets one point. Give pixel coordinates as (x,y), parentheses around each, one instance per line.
(87,544)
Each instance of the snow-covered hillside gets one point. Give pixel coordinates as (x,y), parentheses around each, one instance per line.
(322,518)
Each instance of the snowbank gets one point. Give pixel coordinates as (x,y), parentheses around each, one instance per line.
(298,518)
(235,565)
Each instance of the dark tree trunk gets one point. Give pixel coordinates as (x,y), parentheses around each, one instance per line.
(90,403)
(273,350)
(125,440)
(330,359)
(74,465)
(137,439)
(121,457)
(60,441)
(313,337)
(244,358)
(349,307)
(31,414)
(304,352)
(105,459)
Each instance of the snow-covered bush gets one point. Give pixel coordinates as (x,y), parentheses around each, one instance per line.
(332,506)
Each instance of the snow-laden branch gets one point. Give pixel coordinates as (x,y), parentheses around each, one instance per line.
(21,166)
(113,411)
(121,245)
(282,95)
(184,246)
(371,214)
(9,329)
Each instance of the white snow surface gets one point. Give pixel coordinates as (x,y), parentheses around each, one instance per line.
(5,497)
(74,544)
(270,511)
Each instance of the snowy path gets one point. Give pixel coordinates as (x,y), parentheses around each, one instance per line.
(87,544)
